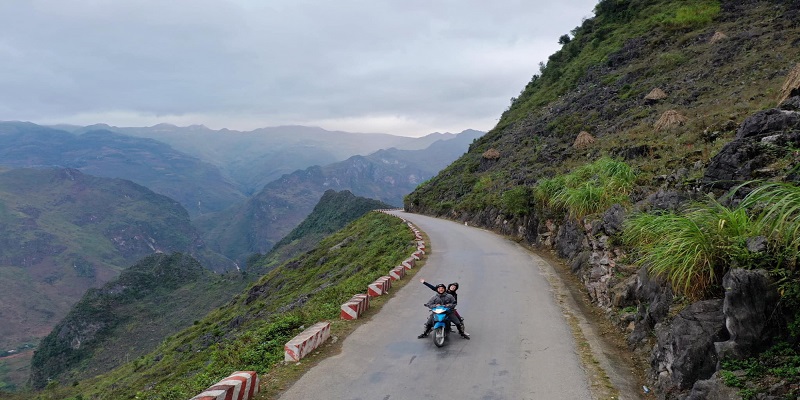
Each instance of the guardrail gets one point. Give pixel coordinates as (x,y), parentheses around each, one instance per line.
(313,337)
(241,385)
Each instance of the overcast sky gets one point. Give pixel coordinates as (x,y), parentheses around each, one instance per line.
(402,67)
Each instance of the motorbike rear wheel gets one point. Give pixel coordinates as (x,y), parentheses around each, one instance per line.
(438,336)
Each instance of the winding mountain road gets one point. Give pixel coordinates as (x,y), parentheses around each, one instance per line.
(521,347)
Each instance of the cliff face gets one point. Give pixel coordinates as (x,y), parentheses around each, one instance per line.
(115,322)
(713,123)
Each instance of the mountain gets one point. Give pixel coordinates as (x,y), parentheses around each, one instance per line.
(157,297)
(386,175)
(333,212)
(620,156)
(129,316)
(252,328)
(649,105)
(62,232)
(255,158)
(716,65)
(198,186)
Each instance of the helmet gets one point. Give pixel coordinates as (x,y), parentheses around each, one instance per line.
(441,285)
(453,284)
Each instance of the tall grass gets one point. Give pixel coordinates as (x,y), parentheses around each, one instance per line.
(590,189)
(695,248)
(777,210)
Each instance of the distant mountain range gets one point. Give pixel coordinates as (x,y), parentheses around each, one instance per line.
(130,315)
(62,232)
(199,186)
(80,204)
(386,175)
(205,170)
(255,158)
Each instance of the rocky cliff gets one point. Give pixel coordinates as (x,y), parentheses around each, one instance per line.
(686,93)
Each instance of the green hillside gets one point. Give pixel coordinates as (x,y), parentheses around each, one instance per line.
(597,83)
(62,232)
(249,332)
(333,212)
(651,153)
(158,296)
(129,316)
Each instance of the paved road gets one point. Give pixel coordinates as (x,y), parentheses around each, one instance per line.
(521,346)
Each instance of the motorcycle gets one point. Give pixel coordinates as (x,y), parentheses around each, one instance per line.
(441,324)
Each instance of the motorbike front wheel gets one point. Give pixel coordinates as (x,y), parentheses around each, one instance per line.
(438,336)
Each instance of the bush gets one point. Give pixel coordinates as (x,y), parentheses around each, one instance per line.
(589,189)
(517,201)
(695,248)
(692,250)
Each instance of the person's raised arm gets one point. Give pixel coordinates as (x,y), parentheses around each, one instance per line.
(427,284)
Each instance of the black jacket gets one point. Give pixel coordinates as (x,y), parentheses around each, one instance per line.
(452,292)
(445,299)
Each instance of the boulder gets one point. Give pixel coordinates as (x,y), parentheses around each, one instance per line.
(623,294)
(713,389)
(570,239)
(760,140)
(654,297)
(750,301)
(669,200)
(613,220)
(685,350)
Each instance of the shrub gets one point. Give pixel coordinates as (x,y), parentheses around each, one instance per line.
(692,250)
(589,189)
(695,248)
(777,210)
(517,201)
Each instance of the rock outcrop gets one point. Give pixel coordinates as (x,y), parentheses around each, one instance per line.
(760,140)
(750,304)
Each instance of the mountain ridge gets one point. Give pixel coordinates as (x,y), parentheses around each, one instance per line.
(386,175)
(63,232)
(546,173)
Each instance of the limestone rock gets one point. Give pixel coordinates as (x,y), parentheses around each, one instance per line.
(685,351)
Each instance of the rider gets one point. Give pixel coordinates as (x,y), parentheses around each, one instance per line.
(452,289)
(445,299)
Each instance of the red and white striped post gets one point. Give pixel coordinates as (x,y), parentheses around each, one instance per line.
(241,385)
(308,340)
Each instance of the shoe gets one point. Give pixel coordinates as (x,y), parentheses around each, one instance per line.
(423,334)
(465,335)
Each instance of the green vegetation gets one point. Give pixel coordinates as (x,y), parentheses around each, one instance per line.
(129,315)
(249,332)
(518,200)
(333,212)
(589,189)
(616,21)
(776,366)
(596,82)
(777,209)
(695,248)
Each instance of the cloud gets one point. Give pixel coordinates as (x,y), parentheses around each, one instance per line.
(403,67)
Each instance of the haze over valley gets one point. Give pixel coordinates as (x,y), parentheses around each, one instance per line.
(80,206)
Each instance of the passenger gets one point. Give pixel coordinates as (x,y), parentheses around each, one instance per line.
(444,299)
